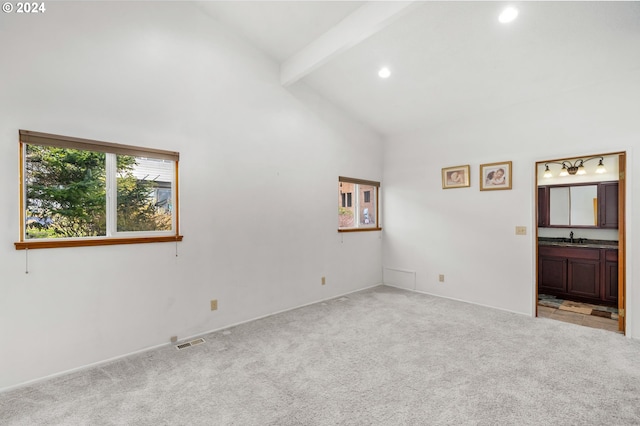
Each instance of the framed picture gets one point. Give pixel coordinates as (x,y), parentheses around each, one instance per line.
(495,176)
(455,177)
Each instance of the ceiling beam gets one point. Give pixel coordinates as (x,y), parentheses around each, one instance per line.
(356,27)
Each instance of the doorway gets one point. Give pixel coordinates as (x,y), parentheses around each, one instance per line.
(580,240)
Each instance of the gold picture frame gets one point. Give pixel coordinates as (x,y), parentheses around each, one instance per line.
(456,177)
(495,176)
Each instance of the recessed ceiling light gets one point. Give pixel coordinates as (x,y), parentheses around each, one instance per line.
(384,72)
(508,15)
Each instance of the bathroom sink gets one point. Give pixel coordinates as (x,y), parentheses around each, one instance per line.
(578,242)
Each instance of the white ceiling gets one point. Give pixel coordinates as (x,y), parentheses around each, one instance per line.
(449,60)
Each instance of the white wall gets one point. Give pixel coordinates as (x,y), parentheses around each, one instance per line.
(469,235)
(258,184)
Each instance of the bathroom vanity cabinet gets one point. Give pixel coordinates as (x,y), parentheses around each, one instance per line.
(582,273)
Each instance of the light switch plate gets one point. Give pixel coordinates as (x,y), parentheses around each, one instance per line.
(521,230)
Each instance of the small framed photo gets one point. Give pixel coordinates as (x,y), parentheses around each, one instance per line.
(455,177)
(495,176)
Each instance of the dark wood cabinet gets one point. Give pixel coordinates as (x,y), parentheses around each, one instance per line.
(611,275)
(607,210)
(552,272)
(588,274)
(543,206)
(608,205)
(583,278)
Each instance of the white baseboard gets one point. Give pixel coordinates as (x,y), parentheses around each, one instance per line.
(532,315)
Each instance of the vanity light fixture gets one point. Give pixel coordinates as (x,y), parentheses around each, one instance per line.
(575,168)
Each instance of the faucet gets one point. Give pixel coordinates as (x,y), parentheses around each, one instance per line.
(571,237)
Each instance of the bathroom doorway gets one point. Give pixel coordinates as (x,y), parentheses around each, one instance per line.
(580,240)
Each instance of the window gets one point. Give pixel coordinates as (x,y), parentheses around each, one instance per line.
(78,192)
(359,212)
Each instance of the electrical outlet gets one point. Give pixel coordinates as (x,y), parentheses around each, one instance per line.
(441,278)
(521,230)
(323,280)
(214,304)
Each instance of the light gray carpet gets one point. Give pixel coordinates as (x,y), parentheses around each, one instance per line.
(379,357)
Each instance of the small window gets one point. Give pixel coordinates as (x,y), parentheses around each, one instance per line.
(77,192)
(359,212)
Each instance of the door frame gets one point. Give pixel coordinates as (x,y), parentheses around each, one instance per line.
(622,254)
(622,248)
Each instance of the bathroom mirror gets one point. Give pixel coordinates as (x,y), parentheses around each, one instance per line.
(573,205)
(584,205)
(559,202)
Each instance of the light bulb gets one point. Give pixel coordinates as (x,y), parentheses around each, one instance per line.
(564,171)
(384,72)
(508,15)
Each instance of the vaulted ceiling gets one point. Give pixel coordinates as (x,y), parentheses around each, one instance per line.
(448,60)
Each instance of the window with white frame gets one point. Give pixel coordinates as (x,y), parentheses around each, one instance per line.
(358,205)
(78,192)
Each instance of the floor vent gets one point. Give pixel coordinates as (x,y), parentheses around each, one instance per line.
(189,344)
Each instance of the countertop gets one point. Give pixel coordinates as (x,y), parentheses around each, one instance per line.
(578,242)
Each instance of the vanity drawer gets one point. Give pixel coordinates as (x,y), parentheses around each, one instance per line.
(570,252)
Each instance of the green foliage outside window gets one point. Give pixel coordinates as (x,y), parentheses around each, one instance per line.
(66,195)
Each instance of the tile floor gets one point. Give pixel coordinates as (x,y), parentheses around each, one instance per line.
(603,317)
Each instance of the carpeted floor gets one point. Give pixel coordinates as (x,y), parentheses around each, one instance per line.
(383,356)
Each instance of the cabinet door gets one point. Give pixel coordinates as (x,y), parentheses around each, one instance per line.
(611,276)
(608,204)
(584,278)
(611,281)
(552,275)
(543,206)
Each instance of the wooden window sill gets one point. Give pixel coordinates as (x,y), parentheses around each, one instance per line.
(359,229)
(86,242)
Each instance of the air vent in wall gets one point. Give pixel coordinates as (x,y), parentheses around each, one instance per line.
(189,344)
